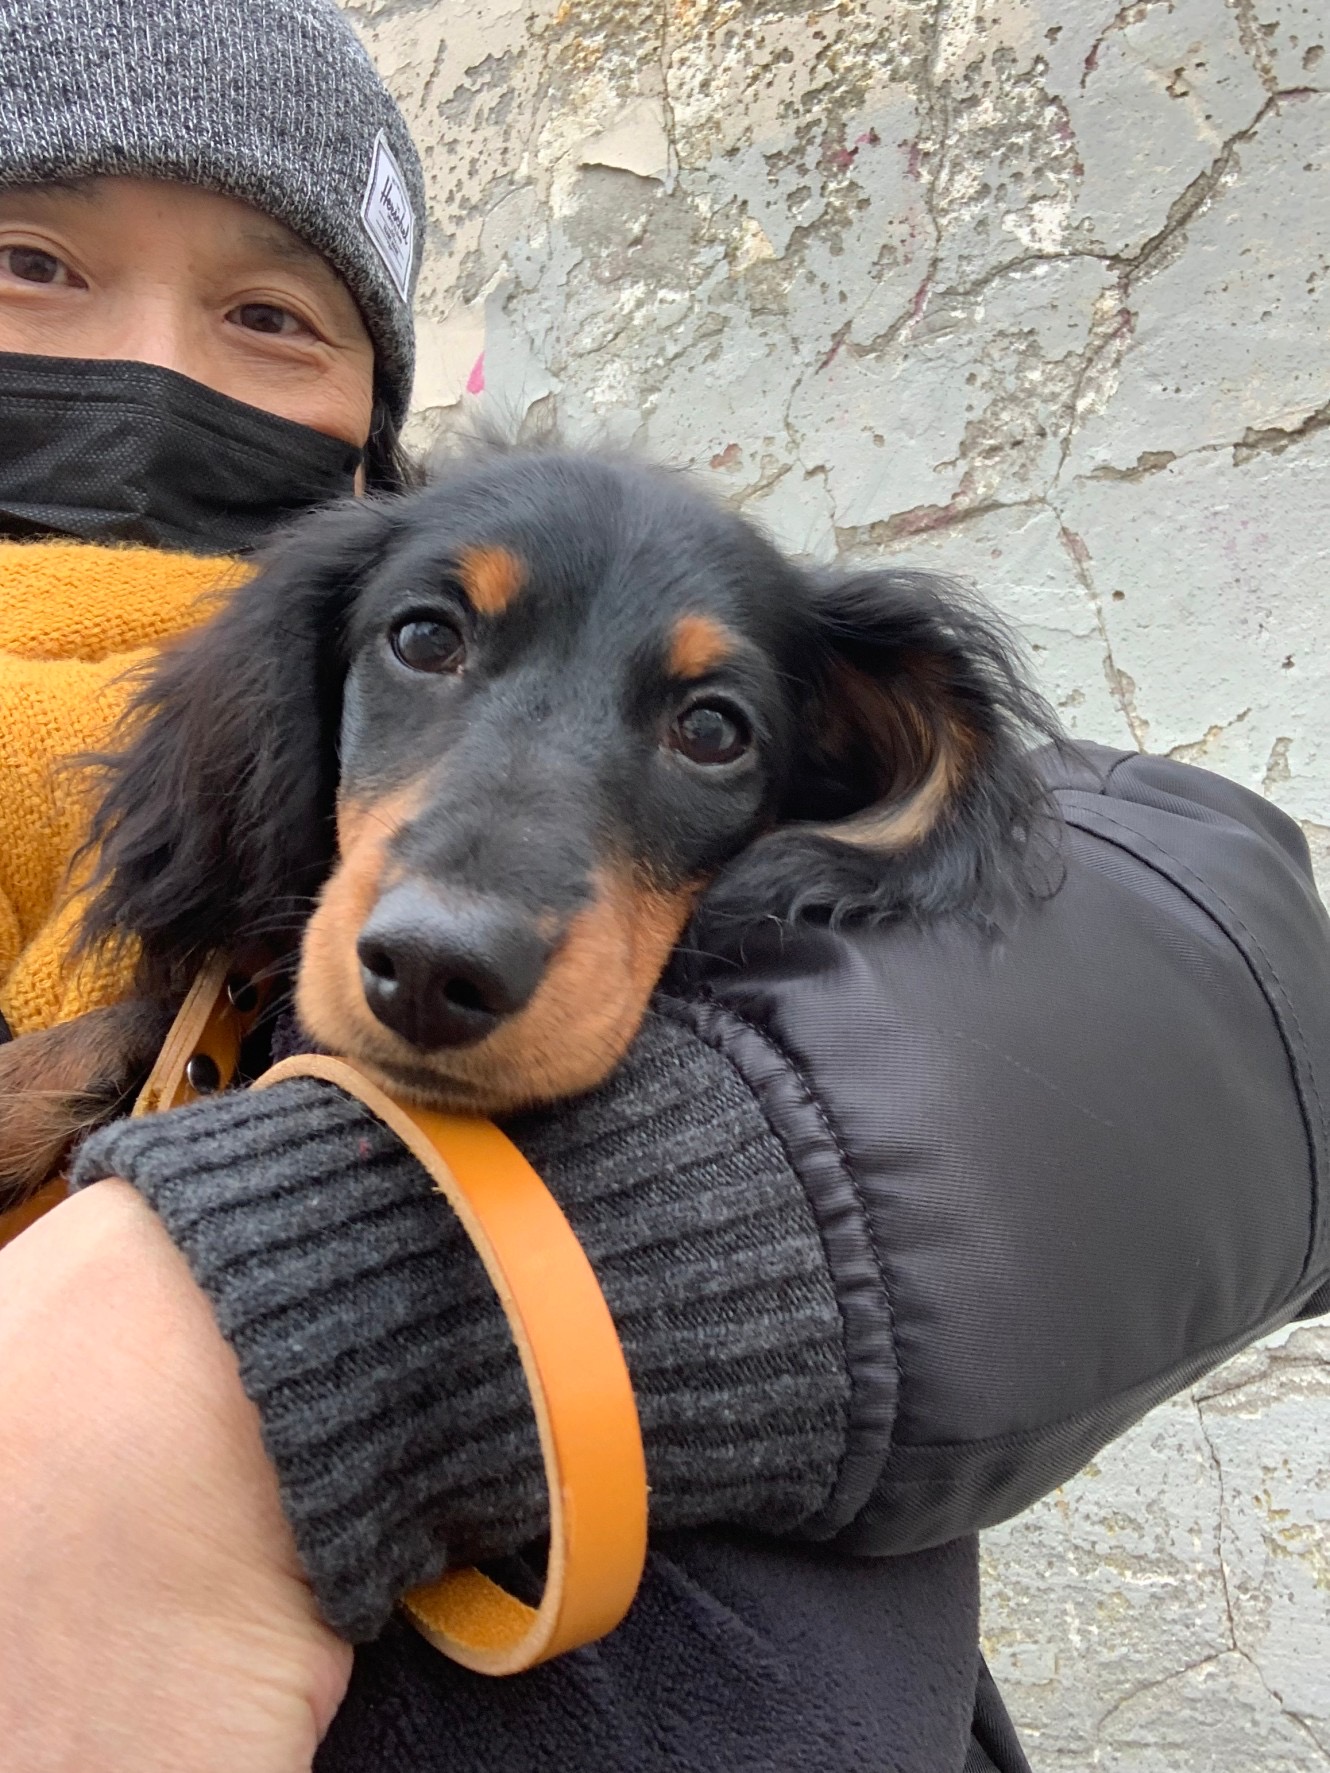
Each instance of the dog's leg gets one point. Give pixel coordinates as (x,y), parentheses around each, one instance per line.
(58,1085)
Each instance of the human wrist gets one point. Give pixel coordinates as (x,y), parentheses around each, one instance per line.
(342,1281)
(393,1403)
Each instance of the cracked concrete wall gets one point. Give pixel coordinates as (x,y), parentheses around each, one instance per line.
(1169,1611)
(1038,292)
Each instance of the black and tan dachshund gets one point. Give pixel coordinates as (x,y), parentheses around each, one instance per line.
(489,753)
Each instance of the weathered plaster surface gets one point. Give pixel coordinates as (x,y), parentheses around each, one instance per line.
(1169,1611)
(1037,291)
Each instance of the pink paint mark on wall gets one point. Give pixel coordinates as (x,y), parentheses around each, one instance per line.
(475,382)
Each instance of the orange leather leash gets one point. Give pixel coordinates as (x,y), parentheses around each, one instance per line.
(585,1412)
(202,1048)
(579,1385)
(199,1055)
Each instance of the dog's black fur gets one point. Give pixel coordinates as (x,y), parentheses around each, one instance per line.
(888,774)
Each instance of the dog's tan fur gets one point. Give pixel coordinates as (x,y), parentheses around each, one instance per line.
(63,1081)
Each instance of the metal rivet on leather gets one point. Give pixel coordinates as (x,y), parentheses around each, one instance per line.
(244,996)
(203,1074)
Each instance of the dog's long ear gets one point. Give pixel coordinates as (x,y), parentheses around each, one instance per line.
(915,794)
(216,822)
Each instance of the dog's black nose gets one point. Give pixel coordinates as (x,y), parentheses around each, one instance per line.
(445,975)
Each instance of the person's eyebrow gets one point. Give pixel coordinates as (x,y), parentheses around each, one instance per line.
(88,187)
(279,243)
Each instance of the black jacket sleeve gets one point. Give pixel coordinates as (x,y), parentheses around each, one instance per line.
(1060,1176)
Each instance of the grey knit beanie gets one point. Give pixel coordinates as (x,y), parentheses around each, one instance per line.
(271,101)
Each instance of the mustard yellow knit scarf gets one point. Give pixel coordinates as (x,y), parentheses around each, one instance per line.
(75,619)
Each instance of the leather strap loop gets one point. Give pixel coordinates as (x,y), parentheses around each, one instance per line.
(585,1412)
(580,1389)
(208,1027)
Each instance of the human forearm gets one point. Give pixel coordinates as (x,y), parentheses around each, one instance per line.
(392,1401)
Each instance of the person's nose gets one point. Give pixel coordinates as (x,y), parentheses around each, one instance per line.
(153,323)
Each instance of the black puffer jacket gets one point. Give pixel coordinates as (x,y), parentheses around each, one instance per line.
(1061,1180)
(1033,1189)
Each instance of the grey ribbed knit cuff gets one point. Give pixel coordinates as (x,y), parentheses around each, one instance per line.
(392,1400)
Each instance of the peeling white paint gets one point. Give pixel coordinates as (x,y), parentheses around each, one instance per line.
(447,352)
(635,142)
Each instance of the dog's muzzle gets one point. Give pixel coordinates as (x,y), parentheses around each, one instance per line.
(446,974)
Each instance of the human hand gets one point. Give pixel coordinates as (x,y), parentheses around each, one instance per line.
(153,1614)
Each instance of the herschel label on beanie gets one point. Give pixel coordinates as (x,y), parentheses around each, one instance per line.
(388,216)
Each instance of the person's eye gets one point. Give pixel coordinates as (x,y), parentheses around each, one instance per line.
(429,643)
(270,318)
(710,733)
(33,264)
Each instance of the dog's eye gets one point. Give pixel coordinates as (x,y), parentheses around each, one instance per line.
(428,643)
(710,733)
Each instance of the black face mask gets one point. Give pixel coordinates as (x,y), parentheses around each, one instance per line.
(127,452)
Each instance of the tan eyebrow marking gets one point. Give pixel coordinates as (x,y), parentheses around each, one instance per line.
(491,578)
(698,644)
